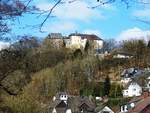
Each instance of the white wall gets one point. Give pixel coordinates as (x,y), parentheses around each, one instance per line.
(133,90)
(125,80)
(77,42)
(99,44)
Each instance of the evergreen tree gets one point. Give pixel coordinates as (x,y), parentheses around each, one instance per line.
(148,45)
(107,86)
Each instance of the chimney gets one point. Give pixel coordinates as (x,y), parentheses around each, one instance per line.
(145,94)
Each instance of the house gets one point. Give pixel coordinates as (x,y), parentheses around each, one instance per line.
(125,108)
(128,74)
(104,109)
(121,54)
(59,107)
(79,41)
(85,105)
(59,103)
(131,72)
(147,84)
(63,103)
(142,106)
(56,40)
(143,80)
(132,89)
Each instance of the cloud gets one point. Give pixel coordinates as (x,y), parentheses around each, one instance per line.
(4,45)
(134,33)
(62,27)
(143,13)
(76,11)
(91,31)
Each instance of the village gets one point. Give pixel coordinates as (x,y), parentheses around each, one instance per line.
(135,82)
(79,73)
(74,56)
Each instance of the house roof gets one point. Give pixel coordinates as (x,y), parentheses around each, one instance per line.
(86,36)
(131,72)
(133,82)
(55,36)
(75,103)
(141,105)
(54,104)
(103,108)
(78,102)
(124,53)
(142,79)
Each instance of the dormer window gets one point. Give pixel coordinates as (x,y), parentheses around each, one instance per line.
(63,97)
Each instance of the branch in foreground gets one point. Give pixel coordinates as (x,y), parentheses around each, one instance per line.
(50,11)
(144,21)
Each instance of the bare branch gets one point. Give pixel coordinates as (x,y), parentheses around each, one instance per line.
(50,11)
(142,2)
(144,21)
(102,2)
(27,4)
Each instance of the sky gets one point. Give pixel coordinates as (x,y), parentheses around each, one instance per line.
(108,21)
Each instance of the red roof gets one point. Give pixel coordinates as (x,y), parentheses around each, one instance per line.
(142,105)
(87,36)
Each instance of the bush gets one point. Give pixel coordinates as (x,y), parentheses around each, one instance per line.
(23,104)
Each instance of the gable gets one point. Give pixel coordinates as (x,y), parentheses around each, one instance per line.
(84,105)
(106,109)
(61,107)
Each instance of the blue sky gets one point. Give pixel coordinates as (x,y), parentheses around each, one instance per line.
(107,21)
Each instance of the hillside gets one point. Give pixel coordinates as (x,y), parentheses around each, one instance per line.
(33,75)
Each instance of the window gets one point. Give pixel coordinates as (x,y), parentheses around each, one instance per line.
(134,89)
(81,110)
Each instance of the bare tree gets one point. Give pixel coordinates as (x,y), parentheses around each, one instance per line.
(9,10)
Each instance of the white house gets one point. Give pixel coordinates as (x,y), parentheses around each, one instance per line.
(123,55)
(79,41)
(133,89)
(60,103)
(128,74)
(126,107)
